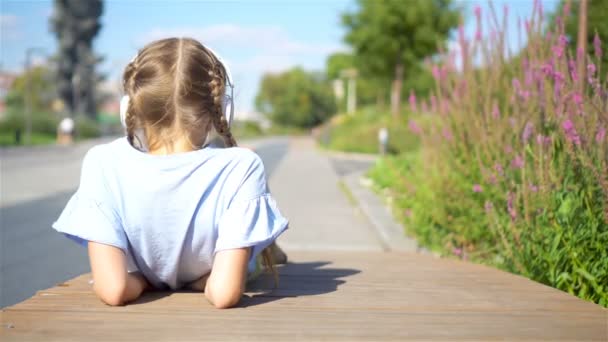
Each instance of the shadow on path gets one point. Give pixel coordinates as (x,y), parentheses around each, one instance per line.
(295,280)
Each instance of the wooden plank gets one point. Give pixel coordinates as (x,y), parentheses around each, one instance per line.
(326,296)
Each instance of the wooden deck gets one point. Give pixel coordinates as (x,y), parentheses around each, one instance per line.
(325,296)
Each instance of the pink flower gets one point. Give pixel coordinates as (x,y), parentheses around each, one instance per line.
(577,98)
(558,77)
(477,11)
(436,72)
(558,51)
(547,69)
(528,130)
(572,69)
(457,251)
(477,188)
(539,139)
(566,9)
(510,207)
(597,46)
(495,111)
(414,127)
(508,149)
(591,69)
(600,135)
(533,188)
(447,135)
(517,162)
(570,132)
(499,169)
(492,179)
(412,99)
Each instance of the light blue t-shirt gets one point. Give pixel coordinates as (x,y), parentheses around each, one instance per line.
(170,214)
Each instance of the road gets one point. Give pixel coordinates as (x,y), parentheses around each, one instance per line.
(35,185)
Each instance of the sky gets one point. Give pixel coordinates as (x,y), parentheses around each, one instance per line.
(253,36)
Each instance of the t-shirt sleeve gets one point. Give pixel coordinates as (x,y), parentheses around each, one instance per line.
(252,218)
(89,214)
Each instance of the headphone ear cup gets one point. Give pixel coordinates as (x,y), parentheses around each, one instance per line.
(228,108)
(124,106)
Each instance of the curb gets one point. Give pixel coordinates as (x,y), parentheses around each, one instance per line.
(380,217)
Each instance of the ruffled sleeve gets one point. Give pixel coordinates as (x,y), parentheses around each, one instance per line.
(252,223)
(89,214)
(84,219)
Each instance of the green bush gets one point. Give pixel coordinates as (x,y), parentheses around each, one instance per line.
(42,122)
(86,128)
(359,132)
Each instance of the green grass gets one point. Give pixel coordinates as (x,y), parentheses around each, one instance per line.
(8,139)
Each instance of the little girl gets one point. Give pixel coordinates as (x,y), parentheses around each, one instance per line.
(163,208)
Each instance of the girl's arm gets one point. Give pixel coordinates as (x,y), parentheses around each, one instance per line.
(226,283)
(112,283)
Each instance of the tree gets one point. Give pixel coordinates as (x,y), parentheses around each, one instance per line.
(295,98)
(76,23)
(41,90)
(392,35)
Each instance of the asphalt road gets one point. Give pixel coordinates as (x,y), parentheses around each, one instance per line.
(35,185)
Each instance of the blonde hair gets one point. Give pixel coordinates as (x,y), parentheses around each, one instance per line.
(176,89)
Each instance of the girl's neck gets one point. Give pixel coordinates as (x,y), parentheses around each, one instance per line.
(177,146)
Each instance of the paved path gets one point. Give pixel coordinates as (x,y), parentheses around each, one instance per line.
(308,192)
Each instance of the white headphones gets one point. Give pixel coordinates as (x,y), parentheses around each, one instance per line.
(227,101)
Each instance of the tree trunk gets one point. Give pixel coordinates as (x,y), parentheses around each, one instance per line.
(396,89)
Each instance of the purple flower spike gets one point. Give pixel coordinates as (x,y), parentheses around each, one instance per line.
(528,130)
(436,72)
(477,11)
(570,132)
(413,104)
(447,135)
(600,135)
(495,111)
(597,46)
(517,162)
(510,207)
(477,188)
(577,99)
(591,69)
(533,188)
(499,169)
(547,69)
(414,127)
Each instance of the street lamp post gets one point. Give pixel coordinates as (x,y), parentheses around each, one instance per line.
(28,92)
(351,99)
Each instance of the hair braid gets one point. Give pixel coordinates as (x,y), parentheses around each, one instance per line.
(128,87)
(217,87)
